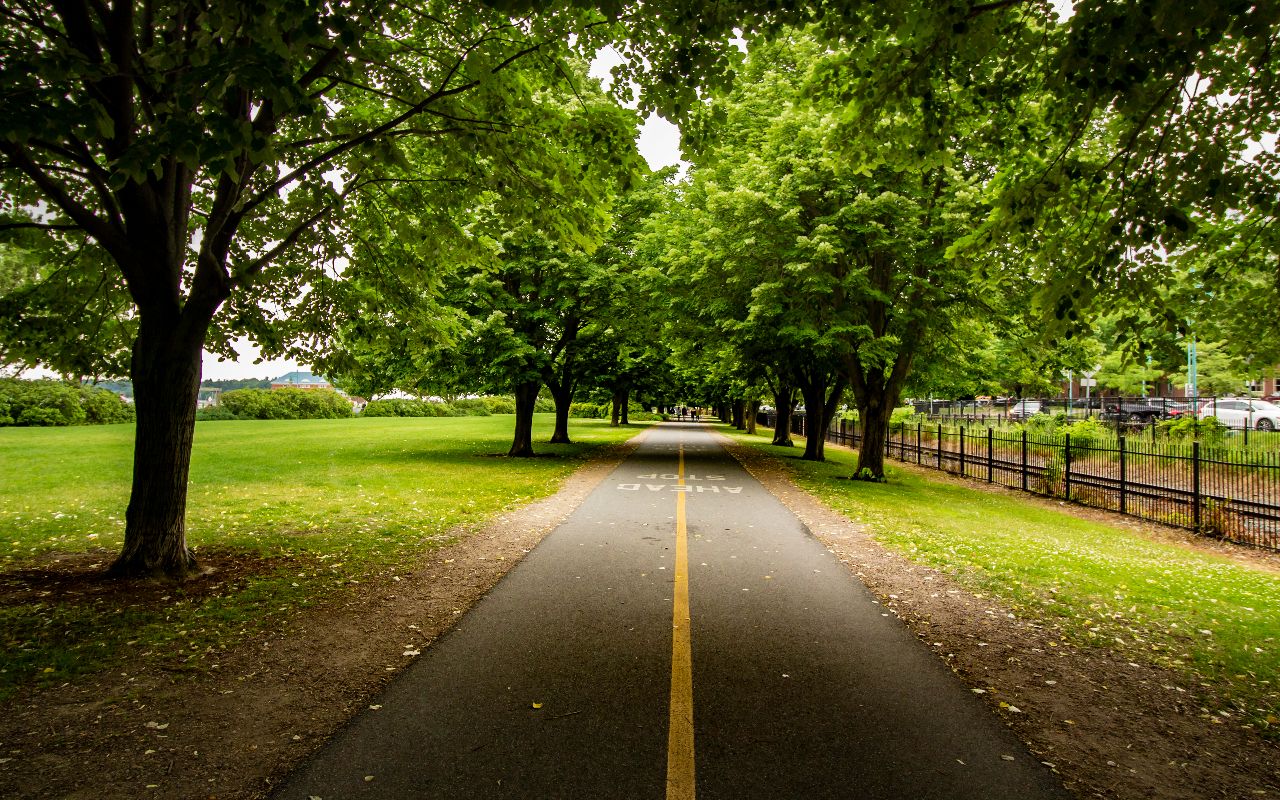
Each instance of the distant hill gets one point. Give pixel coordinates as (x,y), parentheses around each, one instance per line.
(237,383)
(122,387)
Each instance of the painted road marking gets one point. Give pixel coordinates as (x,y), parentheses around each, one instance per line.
(680,785)
(677,487)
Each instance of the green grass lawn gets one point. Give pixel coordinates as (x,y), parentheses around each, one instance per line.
(1213,619)
(321,502)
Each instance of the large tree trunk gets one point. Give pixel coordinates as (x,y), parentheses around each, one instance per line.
(626,407)
(526,396)
(563,396)
(739,411)
(752,410)
(814,393)
(874,419)
(619,400)
(783,403)
(876,395)
(820,406)
(166,381)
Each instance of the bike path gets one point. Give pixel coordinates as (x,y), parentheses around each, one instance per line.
(801,687)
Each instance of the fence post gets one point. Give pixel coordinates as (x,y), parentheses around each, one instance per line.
(939,445)
(1195,484)
(1024,460)
(962,450)
(919,443)
(1123,489)
(1066,461)
(991,458)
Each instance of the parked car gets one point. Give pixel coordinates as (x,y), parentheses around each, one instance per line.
(1242,412)
(1025,408)
(1142,410)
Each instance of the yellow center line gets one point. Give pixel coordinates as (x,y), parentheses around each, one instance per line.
(680,784)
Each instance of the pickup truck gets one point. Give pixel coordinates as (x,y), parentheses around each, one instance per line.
(1137,410)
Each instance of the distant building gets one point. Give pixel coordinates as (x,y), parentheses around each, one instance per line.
(208,397)
(300,380)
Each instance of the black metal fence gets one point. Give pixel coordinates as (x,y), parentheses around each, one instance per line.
(1130,415)
(1217,491)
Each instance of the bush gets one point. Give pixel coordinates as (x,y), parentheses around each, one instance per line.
(1085,433)
(41,403)
(285,404)
(401,407)
(1188,427)
(1041,424)
(473,407)
(590,410)
(500,405)
(214,413)
(104,407)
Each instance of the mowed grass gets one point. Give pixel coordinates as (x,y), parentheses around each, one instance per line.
(1211,618)
(316,506)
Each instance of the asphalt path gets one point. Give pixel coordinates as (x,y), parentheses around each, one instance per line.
(566,680)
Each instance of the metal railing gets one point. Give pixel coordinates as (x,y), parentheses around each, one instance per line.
(1218,491)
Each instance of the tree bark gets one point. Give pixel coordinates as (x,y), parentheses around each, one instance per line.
(752,410)
(626,407)
(618,399)
(166,378)
(874,420)
(563,396)
(739,409)
(526,396)
(783,403)
(820,405)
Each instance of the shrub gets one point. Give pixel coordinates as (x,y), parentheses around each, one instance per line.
(286,404)
(104,407)
(473,407)
(1041,424)
(1085,433)
(402,407)
(590,410)
(1188,427)
(215,413)
(42,402)
(543,405)
(500,405)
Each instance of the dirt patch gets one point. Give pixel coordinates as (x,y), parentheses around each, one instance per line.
(80,578)
(236,730)
(1108,727)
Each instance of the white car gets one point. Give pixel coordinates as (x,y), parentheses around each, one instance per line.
(1024,409)
(1242,412)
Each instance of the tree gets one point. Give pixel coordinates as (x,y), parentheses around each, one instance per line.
(199,147)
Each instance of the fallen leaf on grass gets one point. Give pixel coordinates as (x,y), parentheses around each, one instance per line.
(157,726)
(535,706)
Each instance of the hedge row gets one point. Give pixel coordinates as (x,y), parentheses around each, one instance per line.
(279,404)
(48,402)
(421,408)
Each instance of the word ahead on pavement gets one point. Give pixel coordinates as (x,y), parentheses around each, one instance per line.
(671,643)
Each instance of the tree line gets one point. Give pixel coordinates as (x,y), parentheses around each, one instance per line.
(439,199)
